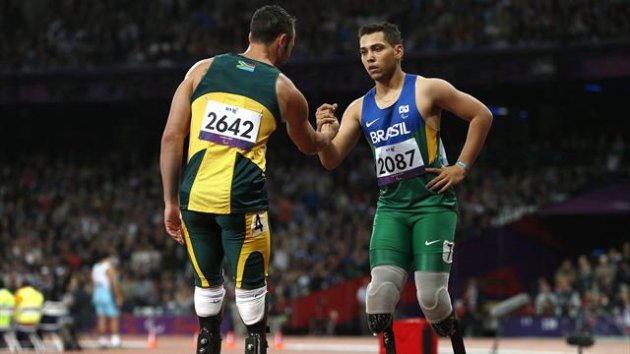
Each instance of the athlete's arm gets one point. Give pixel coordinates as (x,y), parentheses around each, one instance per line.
(445,96)
(113,280)
(294,111)
(176,130)
(347,137)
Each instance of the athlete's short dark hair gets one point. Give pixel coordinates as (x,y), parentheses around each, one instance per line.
(390,31)
(270,21)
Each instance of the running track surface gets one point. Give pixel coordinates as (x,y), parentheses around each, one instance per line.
(344,345)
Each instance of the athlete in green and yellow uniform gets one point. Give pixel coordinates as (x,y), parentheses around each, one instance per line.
(229,106)
(416,215)
(234,111)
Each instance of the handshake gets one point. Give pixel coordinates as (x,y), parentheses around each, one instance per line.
(327,122)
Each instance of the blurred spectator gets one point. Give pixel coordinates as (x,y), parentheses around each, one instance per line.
(62,34)
(107,298)
(81,316)
(546,301)
(279,313)
(468,309)
(360,297)
(626,252)
(604,274)
(566,273)
(7,307)
(615,155)
(324,319)
(585,274)
(624,314)
(79,302)
(28,311)
(28,305)
(568,299)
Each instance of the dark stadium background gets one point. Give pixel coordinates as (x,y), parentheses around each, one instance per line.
(559,101)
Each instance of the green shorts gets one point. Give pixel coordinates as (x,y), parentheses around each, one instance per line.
(406,238)
(244,239)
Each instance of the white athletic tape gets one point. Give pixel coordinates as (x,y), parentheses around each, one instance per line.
(251,304)
(208,302)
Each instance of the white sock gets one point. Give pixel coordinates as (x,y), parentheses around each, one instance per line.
(115,340)
(102,341)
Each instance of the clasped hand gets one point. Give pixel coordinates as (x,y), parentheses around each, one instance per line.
(327,122)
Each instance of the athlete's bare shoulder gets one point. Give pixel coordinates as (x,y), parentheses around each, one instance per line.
(354,109)
(433,89)
(427,85)
(199,68)
(290,98)
(284,85)
(197,71)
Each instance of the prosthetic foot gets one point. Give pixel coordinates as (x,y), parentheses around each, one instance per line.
(208,343)
(209,339)
(382,323)
(388,341)
(449,327)
(255,344)
(256,341)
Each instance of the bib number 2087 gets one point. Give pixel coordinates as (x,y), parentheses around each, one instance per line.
(398,161)
(390,164)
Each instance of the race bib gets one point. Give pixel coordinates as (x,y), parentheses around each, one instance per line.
(447,252)
(230,125)
(259,223)
(398,161)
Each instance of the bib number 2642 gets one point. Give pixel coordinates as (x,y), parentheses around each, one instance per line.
(230,125)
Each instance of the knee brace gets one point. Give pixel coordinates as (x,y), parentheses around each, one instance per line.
(383,292)
(251,304)
(209,302)
(433,297)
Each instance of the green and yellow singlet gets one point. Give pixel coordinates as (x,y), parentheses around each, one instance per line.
(234,111)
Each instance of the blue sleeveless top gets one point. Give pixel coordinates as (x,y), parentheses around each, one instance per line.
(403,146)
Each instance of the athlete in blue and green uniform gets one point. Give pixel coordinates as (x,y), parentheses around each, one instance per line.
(413,226)
(229,106)
(416,214)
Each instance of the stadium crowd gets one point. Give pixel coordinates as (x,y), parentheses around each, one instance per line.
(592,286)
(38,35)
(597,284)
(57,212)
